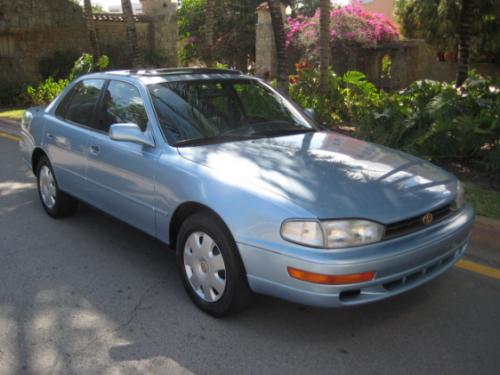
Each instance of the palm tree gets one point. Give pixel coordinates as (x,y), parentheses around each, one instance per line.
(209,32)
(133,47)
(465,34)
(324,45)
(87,7)
(279,38)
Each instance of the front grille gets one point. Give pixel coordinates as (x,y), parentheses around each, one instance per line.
(414,224)
(391,286)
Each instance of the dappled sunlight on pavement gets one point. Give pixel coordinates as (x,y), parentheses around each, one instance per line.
(10,187)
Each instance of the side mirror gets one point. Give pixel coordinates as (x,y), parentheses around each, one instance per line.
(309,112)
(130,133)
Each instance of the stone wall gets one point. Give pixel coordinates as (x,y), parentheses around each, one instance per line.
(112,37)
(33,29)
(410,60)
(156,34)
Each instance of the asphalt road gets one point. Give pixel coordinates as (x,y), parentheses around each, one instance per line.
(91,295)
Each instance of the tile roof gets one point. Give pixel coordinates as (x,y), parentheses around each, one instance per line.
(118,17)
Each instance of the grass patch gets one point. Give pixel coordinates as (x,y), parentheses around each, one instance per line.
(13,114)
(486,202)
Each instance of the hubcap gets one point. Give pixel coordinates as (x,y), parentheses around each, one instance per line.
(47,187)
(205,268)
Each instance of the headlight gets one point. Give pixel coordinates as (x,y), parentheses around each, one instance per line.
(346,233)
(460,198)
(332,234)
(307,233)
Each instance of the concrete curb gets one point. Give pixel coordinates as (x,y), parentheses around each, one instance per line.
(486,233)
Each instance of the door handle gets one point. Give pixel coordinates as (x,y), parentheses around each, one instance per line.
(94,150)
(49,136)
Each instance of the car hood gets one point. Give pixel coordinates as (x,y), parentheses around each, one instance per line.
(332,175)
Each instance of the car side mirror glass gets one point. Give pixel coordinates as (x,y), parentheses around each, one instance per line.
(130,133)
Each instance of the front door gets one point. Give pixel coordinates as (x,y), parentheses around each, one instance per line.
(121,175)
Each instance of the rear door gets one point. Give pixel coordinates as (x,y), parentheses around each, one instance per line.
(121,175)
(67,134)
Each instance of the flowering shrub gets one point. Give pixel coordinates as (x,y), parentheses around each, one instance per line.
(349,24)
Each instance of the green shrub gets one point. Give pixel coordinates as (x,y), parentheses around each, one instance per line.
(12,94)
(48,89)
(439,122)
(85,64)
(430,119)
(58,65)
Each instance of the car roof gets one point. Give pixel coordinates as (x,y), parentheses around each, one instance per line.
(153,76)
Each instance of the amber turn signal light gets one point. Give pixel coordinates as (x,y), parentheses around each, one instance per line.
(318,278)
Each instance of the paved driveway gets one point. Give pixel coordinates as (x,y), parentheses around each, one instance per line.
(90,295)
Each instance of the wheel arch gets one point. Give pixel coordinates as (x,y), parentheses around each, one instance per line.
(35,158)
(182,212)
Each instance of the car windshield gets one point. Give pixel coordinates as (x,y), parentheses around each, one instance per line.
(211,111)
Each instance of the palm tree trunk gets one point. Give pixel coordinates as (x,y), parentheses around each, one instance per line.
(133,47)
(209,32)
(87,7)
(324,45)
(279,38)
(466,18)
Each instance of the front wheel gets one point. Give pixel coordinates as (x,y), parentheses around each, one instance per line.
(210,266)
(55,202)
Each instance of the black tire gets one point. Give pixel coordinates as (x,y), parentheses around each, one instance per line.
(65,204)
(237,294)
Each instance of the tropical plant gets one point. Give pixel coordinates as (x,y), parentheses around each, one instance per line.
(436,121)
(439,23)
(431,119)
(209,31)
(88,10)
(87,64)
(324,44)
(57,65)
(464,32)
(46,90)
(49,88)
(279,38)
(233,35)
(133,47)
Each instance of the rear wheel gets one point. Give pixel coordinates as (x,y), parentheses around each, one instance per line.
(210,266)
(55,202)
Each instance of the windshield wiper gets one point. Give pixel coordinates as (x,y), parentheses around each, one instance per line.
(286,131)
(213,140)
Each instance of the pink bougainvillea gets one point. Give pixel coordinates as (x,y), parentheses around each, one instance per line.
(350,24)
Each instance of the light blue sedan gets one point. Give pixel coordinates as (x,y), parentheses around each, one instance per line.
(251,194)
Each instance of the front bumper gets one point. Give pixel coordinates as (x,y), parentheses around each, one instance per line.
(400,264)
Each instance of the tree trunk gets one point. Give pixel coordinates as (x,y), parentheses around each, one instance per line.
(324,45)
(87,7)
(279,38)
(133,47)
(209,32)
(466,18)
